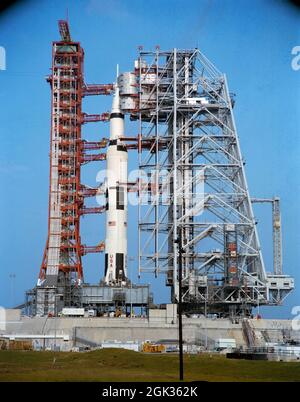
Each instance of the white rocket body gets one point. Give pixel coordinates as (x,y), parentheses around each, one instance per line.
(116,199)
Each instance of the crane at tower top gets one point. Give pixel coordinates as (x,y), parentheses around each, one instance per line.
(64,31)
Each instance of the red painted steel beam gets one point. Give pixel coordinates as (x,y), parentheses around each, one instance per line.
(92,210)
(92,158)
(88,192)
(93,249)
(90,118)
(93,145)
(97,89)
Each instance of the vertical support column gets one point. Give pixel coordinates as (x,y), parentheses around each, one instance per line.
(157,167)
(175,228)
(140,162)
(277,244)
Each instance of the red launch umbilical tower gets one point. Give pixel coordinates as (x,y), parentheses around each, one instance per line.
(62,256)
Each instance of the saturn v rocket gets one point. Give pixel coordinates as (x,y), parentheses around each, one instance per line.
(116,199)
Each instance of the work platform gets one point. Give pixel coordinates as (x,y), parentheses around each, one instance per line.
(101,298)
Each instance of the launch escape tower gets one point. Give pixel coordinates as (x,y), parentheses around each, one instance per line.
(192,192)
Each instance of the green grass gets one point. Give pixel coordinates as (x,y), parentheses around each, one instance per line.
(122,365)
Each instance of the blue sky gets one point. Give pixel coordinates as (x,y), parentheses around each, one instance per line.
(252,45)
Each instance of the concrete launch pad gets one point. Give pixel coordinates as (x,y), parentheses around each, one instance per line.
(160,325)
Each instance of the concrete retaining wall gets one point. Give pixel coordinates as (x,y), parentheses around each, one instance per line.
(160,325)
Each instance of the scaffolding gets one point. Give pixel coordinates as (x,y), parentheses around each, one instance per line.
(61,270)
(193,187)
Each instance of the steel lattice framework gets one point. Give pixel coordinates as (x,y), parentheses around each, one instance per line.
(61,270)
(63,245)
(193,187)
